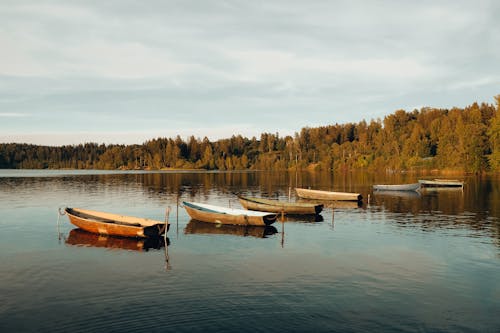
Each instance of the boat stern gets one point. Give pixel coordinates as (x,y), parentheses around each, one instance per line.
(269,219)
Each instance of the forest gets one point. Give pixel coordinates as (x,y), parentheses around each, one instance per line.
(457,139)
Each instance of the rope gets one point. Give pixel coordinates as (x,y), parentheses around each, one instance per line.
(59,214)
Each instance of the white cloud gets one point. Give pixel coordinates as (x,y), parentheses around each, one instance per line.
(270,63)
(475,83)
(12,114)
(133,137)
(17,58)
(259,64)
(119,60)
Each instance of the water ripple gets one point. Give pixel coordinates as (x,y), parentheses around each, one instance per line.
(388,266)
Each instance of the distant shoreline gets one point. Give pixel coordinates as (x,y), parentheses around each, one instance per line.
(311,170)
(448,141)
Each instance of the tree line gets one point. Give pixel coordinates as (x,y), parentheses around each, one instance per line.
(462,139)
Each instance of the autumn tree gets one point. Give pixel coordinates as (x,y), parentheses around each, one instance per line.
(494,137)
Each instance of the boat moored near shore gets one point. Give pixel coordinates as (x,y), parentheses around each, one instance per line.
(327,195)
(216,214)
(276,206)
(441,183)
(114,224)
(397,187)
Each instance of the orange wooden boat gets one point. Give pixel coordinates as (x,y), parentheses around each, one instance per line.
(114,224)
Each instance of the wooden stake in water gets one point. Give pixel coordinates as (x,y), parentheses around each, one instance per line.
(167,213)
(167,258)
(333,215)
(58,230)
(177,217)
(282,228)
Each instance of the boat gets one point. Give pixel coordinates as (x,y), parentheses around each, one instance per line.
(397,187)
(276,206)
(198,227)
(80,237)
(441,183)
(113,224)
(326,195)
(216,214)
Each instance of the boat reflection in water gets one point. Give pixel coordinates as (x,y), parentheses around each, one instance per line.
(400,194)
(79,237)
(336,204)
(301,218)
(198,227)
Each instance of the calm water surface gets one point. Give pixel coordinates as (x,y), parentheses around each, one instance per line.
(427,262)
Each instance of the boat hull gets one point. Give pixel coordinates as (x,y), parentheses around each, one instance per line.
(213,216)
(441,183)
(279,207)
(397,187)
(326,195)
(114,225)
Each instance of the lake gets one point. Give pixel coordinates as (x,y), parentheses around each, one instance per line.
(400,262)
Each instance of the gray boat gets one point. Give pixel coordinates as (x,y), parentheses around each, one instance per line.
(441,183)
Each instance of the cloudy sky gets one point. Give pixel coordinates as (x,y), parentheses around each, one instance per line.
(128,71)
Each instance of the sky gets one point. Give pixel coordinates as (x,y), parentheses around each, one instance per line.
(123,71)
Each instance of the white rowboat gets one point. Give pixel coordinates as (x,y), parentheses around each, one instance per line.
(216,214)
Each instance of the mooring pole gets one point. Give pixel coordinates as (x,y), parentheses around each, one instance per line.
(177,217)
(282,228)
(333,215)
(165,238)
(167,213)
